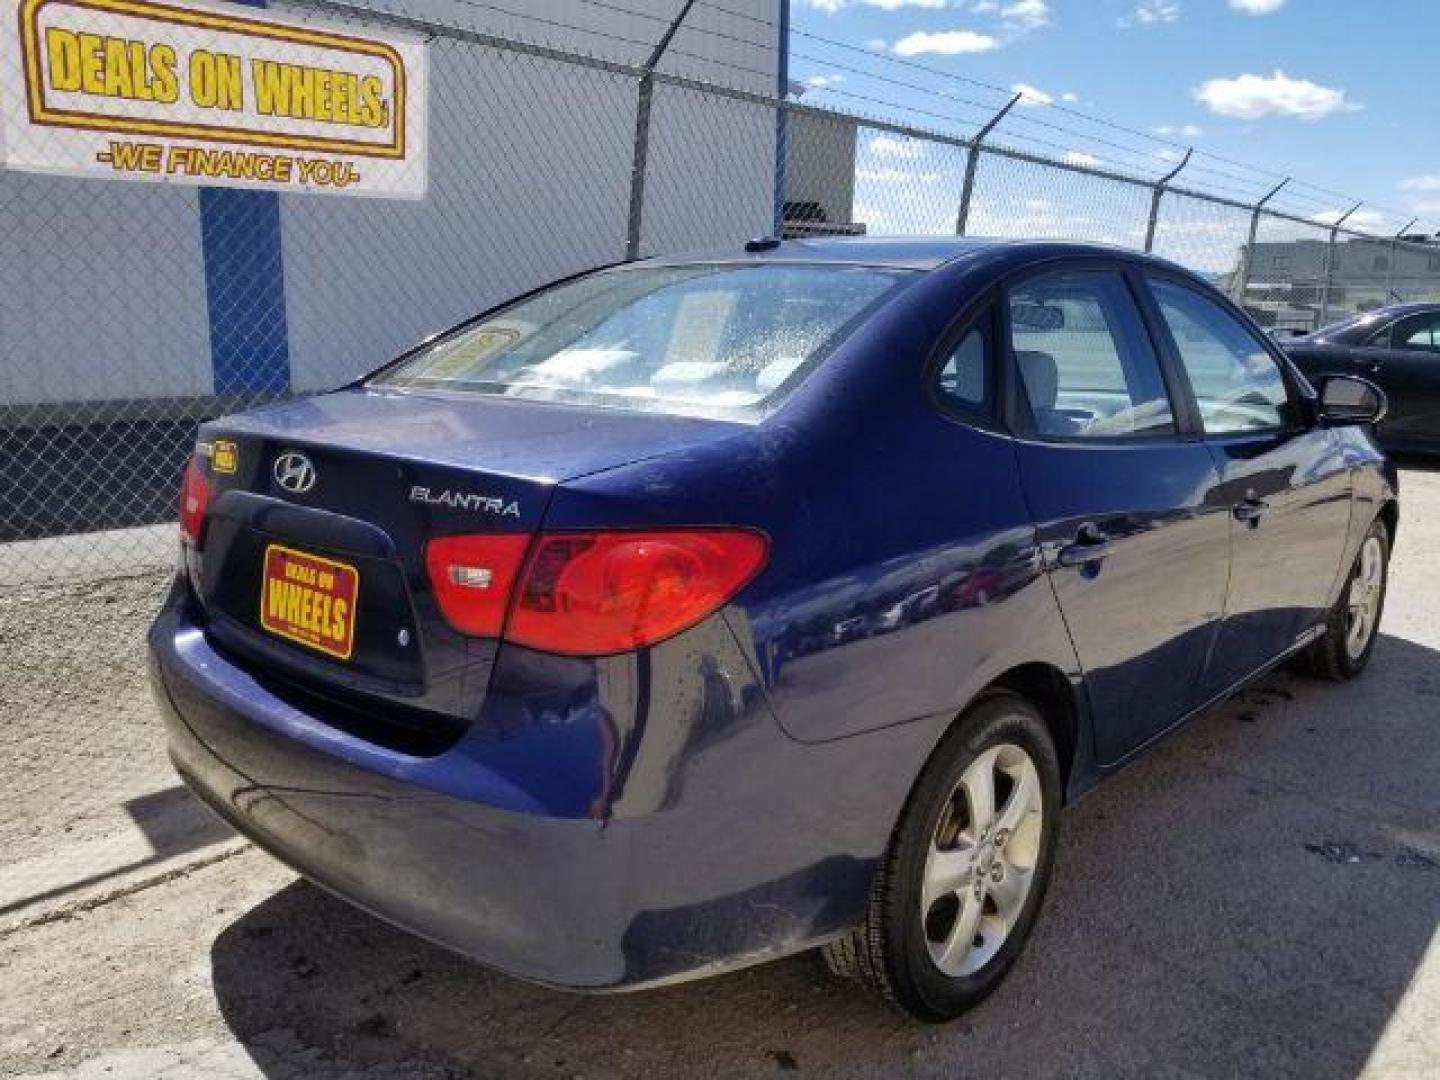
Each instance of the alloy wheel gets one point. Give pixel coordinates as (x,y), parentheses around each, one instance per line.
(982,859)
(1366,587)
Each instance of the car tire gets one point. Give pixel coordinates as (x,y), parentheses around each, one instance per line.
(1352,625)
(935,951)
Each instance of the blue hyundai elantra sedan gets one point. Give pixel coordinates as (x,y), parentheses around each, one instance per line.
(696,611)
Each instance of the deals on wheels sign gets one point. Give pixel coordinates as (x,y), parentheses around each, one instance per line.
(199,93)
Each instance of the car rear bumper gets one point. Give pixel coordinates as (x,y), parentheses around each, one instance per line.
(698,879)
(461,873)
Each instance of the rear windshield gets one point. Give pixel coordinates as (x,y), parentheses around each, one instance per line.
(708,337)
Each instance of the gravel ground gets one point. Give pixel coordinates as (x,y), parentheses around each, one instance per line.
(81,737)
(1260,895)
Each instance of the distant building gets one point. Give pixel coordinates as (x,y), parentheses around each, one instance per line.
(1285,286)
(1360,268)
(819,173)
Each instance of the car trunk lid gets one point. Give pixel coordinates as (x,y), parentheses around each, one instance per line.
(312,570)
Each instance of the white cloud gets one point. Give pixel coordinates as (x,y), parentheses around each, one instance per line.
(1026,14)
(890,146)
(1257,7)
(1031,95)
(876,44)
(1079,157)
(1250,97)
(820,82)
(1430,182)
(1360,219)
(1184,131)
(944,43)
(1069,97)
(1149,13)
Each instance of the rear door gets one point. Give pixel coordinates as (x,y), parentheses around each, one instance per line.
(1284,481)
(1117,485)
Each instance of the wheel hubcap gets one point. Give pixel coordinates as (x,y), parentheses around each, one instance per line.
(982,859)
(1364,598)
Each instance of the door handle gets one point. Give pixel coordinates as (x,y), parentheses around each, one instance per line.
(1250,510)
(1091,544)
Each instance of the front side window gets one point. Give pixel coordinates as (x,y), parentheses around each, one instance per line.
(1237,383)
(1420,332)
(720,336)
(1084,358)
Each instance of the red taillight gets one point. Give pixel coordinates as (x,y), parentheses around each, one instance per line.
(473,577)
(194,497)
(593,593)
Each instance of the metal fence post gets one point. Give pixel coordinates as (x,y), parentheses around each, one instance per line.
(782,119)
(1390,292)
(1330,264)
(972,161)
(1248,255)
(645,95)
(1160,186)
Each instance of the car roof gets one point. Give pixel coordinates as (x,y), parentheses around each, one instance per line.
(1411,308)
(907,252)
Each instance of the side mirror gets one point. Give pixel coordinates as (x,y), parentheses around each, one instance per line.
(1346,400)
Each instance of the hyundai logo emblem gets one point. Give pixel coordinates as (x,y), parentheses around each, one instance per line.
(294,473)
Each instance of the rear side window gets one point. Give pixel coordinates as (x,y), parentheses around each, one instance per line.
(1237,383)
(1084,358)
(709,336)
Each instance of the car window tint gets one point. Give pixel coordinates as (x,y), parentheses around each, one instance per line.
(1419,332)
(963,379)
(1084,358)
(718,336)
(1237,384)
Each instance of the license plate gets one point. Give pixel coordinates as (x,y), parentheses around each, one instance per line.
(309,600)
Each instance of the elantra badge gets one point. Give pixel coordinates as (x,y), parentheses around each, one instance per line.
(465,500)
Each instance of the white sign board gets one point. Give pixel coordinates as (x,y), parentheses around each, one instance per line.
(210,94)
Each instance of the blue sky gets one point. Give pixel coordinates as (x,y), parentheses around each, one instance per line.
(1321,90)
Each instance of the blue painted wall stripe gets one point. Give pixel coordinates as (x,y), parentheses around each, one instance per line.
(245,290)
(245,287)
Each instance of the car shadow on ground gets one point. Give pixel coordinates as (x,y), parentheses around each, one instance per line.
(1254,897)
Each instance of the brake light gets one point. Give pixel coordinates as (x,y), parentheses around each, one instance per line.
(473,577)
(592,593)
(194,498)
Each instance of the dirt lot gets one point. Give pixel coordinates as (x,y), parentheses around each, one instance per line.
(1259,896)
